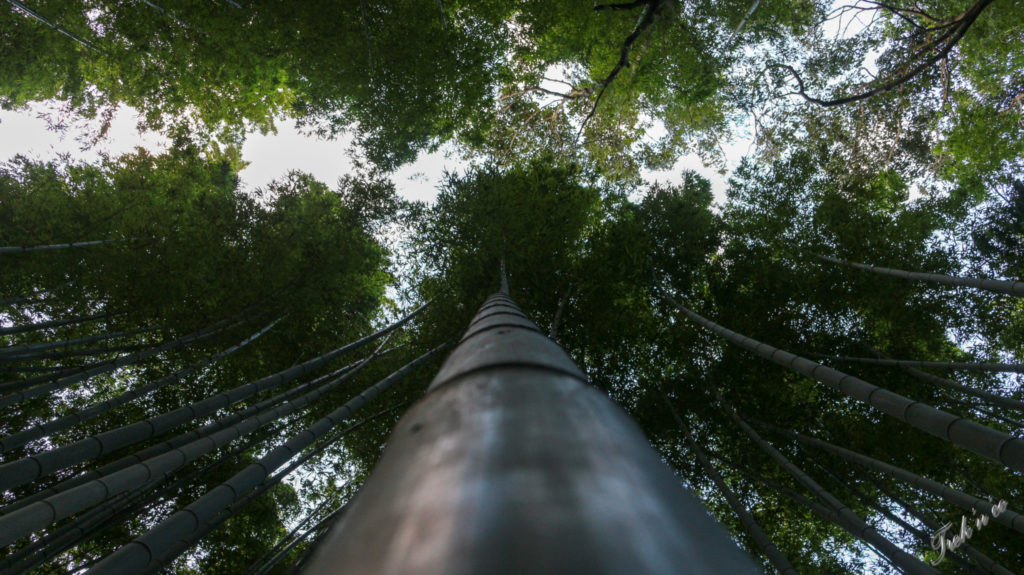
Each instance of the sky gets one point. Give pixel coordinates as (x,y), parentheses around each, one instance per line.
(271,156)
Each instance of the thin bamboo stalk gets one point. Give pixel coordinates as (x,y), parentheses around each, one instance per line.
(843,515)
(50,247)
(767,546)
(30,468)
(1008,287)
(1009,518)
(20,438)
(106,367)
(985,441)
(185,524)
(951,365)
(55,323)
(38,515)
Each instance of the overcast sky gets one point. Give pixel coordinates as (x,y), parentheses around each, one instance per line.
(269,157)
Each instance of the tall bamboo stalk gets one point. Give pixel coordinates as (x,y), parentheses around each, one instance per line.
(951,365)
(108,366)
(48,324)
(51,247)
(513,463)
(43,429)
(323,523)
(986,562)
(65,355)
(185,525)
(843,515)
(35,516)
(985,441)
(27,469)
(101,517)
(922,536)
(330,379)
(1009,287)
(767,546)
(1009,518)
(23,350)
(987,397)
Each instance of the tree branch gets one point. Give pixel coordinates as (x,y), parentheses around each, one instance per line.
(557,321)
(742,23)
(571,95)
(18,6)
(949,38)
(646,20)
(363,19)
(627,6)
(440,8)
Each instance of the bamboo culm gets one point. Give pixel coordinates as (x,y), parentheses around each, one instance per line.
(768,547)
(559,312)
(1009,518)
(176,441)
(51,370)
(100,365)
(67,354)
(55,323)
(844,516)
(235,508)
(30,468)
(324,444)
(994,415)
(21,350)
(951,365)
(43,248)
(15,299)
(873,503)
(108,366)
(42,430)
(39,295)
(508,408)
(181,546)
(949,385)
(320,525)
(922,536)
(99,518)
(987,397)
(38,379)
(985,441)
(823,511)
(287,538)
(184,525)
(986,562)
(39,514)
(1008,287)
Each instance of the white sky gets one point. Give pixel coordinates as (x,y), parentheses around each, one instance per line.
(272,156)
(734,151)
(25,132)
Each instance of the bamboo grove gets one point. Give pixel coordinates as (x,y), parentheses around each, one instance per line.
(200,378)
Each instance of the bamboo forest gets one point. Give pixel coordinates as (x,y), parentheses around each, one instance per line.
(561,364)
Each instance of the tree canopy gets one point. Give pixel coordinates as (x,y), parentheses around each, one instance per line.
(149,306)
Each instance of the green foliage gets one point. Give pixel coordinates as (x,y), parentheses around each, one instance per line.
(186,248)
(557,106)
(216,70)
